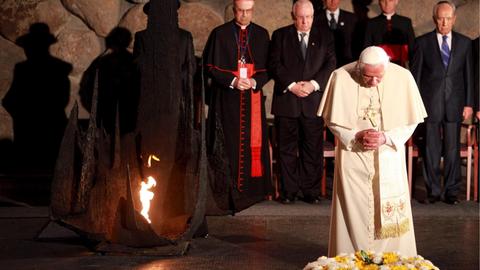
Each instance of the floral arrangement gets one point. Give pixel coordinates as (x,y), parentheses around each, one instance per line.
(363,260)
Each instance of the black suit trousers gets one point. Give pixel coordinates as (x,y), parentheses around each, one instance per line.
(300,148)
(440,135)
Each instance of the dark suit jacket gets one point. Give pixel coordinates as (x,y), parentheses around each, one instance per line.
(444,91)
(346,49)
(287,65)
(402,32)
(476,59)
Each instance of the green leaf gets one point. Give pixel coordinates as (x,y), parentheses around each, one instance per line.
(365,257)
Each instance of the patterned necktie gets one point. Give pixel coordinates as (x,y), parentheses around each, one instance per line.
(445,51)
(303,44)
(333,23)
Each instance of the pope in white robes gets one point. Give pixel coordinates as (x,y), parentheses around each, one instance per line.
(372,106)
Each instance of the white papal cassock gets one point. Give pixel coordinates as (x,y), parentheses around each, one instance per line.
(371,203)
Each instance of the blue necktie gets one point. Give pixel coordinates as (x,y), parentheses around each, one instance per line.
(445,51)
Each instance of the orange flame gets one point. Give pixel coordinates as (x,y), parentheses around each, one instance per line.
(150,157)
(146,196)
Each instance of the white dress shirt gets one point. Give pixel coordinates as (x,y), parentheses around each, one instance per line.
(440,40)
(315,84)
(336,14)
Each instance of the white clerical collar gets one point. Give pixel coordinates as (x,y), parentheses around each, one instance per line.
(389,16)
(243,27)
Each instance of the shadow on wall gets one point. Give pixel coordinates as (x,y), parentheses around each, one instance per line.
(118,84)
(6,152)
(36,101)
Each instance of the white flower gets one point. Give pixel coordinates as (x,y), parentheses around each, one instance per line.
(313,266)
(331,260)
(377,259)
(410,266)
(333,264)
(347,261)
(333,267)
(323,260)
(427,261)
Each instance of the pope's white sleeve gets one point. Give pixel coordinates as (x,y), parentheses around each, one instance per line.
(345,135)
(397,137)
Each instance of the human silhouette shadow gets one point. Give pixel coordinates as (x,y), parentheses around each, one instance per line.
(360,8)
(36,101)
(117,84)
(6,152)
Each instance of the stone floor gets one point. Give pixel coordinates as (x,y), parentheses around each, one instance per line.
(268,235)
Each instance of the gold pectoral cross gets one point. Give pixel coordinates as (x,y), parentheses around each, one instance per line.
(370,113)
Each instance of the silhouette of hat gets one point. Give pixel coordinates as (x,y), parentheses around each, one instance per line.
(38,35)
(146,7)
(119,38)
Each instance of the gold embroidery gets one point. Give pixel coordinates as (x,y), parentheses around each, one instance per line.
(393,230)
(394,220)
(370,113)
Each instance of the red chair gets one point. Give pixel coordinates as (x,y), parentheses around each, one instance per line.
(412,152)
(274,170)
(475,166)
(398,53)
(466,151)
(328,152)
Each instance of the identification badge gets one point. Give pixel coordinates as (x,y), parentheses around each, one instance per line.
(243,73)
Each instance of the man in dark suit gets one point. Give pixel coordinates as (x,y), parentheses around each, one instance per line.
(343,25)
(476,59)
(301,60)
(476,91)
(391,32)
(443,69)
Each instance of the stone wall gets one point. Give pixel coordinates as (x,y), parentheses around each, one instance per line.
(81,26)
